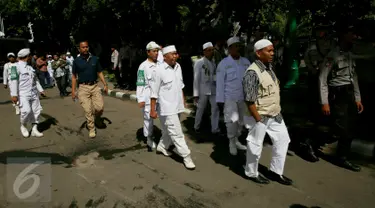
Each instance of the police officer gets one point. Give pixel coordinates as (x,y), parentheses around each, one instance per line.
(317,50)
(8,68)
(144,76)
(205,88)
(229,92)
(339,91)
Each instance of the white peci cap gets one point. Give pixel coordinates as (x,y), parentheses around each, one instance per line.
(23,53)
(169,49)
(10,54)
(260,44)
(152,45)
(233,40)
(207,45)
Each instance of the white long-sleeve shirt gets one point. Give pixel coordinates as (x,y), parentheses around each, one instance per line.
(115,59)
(144,77)
(7,70)
(166,86)
(204,77)
(229,79)
(25,83)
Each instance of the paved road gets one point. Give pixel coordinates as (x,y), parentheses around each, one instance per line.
(126,175)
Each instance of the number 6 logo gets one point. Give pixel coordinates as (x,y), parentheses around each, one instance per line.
(23,177)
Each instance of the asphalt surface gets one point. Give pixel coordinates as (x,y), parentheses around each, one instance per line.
(125,174)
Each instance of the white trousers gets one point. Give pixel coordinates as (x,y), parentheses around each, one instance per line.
(148,122)
(280,139)
(172,134)
(233,117)
(215,113)
(30,109)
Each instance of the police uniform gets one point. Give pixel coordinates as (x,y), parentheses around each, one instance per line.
(205,88)
(166,87)
(230,92)
(25,85)
(143,92)
(338,84)
(8,68)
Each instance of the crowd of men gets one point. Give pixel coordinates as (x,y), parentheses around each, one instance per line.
(248,94)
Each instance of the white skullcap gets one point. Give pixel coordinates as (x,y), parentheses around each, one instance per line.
(207,45)
(68,53)
(260,44)
(23,53)
(169,49)
(152,45)
(233,40)
(49,56)
(11,54)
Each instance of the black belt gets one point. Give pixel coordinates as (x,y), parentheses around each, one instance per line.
(89,83)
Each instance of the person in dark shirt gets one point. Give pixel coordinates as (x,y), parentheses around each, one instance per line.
(86,70)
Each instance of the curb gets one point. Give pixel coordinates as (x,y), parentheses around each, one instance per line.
(131,97)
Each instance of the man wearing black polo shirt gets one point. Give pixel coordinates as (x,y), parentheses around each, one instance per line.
(87,69)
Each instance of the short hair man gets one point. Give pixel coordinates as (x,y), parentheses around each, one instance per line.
(262,96)
(86,70)
(8,68)
(144,77)
(205,88)
(229,92)
(25,88)
(167,88)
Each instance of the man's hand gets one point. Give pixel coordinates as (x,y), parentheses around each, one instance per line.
(14,99)
(221,106)
(326,110)
(74,95)
(141,104)
(359,107)
(153,114)
(43,94)
(196,99)
(5,86)
(105,88)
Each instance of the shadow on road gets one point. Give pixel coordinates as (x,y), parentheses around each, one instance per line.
(5,102)
(46,124)
(141,138)
(56,159)
(301,206)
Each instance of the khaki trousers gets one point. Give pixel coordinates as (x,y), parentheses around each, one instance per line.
(91,100)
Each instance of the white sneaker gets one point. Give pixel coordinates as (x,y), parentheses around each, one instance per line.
(232,147)
(24,131)
(35,132)
(188,162)
(17,109)
(239,145)
(161,150)
(151,143)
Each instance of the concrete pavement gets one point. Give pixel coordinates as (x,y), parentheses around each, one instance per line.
(126,175)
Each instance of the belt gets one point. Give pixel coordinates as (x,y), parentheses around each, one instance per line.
(89,83)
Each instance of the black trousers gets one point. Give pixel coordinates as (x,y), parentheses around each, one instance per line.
(343,110)
(61,84)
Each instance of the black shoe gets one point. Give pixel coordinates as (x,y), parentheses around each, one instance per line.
(259,179)
(279,178)
(197,131)
(308,153)
(350,166)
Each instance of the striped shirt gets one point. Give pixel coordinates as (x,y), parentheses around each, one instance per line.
(251,83)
